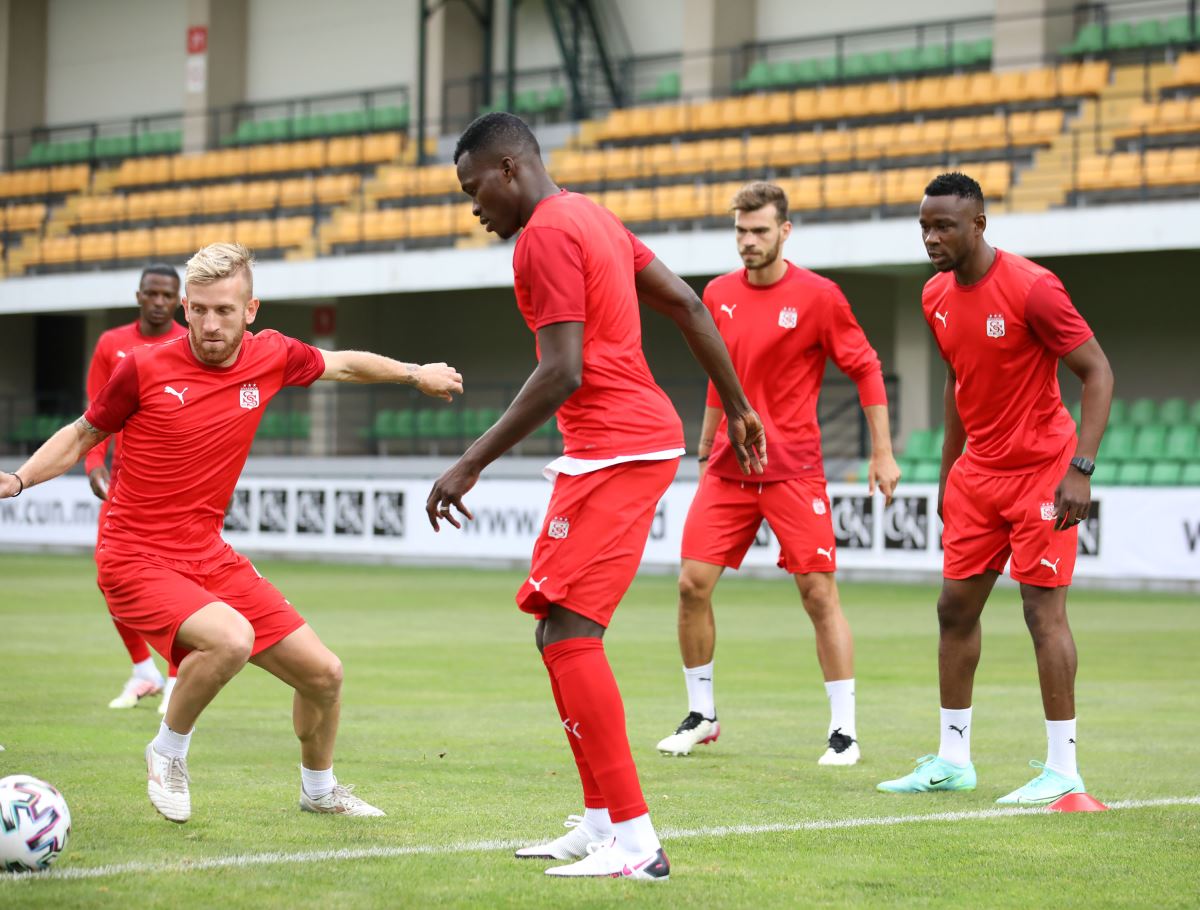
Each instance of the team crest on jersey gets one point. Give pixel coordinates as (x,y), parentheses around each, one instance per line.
(249,396)
(558,527)
(787,317)
(818,506)
(1048,511)
(995,325)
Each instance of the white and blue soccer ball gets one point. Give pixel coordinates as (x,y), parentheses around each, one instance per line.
(34,824)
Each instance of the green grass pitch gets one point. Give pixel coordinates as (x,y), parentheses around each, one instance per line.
(449,726)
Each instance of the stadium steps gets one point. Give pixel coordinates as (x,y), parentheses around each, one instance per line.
(1047,182)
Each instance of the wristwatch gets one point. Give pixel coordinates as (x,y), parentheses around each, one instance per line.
(1084,466)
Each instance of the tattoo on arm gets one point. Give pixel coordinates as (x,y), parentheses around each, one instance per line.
(87,429)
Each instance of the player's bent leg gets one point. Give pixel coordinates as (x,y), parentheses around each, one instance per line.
(835,654)
(697,642)
(315,673)
(220,640)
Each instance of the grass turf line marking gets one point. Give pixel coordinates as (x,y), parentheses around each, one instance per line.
(487,846)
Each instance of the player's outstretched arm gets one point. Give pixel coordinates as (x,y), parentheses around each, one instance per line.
(882,472)
(434,379)
(956,435)
(662,290)
(558,374)
(1073,498)
(55,456)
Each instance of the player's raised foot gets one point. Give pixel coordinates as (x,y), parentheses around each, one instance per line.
(338,801)
(134,690)
(1044,789)
(842,750)
(167,785)
(932,773)
(607,860)
(696,730)
(572,845)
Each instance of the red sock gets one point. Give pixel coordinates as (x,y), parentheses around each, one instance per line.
(134,643)
(592,798)
(595,718)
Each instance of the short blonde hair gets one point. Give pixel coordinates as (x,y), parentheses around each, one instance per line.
(217,261)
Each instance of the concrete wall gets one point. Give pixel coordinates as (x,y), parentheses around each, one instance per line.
(106,60)
(782,19)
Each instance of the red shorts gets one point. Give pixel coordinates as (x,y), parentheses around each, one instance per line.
(725,515)
(989,517)
(593,538)
(153,594)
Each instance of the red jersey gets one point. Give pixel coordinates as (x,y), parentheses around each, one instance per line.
(779,337)
(1003,337)
(112,347)
(186,430)
(575,262)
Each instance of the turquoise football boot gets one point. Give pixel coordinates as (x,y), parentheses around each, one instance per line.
(1043,789)
(932,773)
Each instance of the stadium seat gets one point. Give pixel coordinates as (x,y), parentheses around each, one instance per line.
(1165,474)
(1117,444)
(1182,443)
(1118,414)
(1150,443)
(1105,473)
(1133,474)
(1190,475)
(1172,412)
(1141,412)
(927,472)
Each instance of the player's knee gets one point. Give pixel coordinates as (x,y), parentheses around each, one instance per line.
(694,592)
(327,681)
(819,596)
(954,615)
(1043,619)
(235,641)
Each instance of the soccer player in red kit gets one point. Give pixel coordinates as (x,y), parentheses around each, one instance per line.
(1019,491)
(187,411)
(578,276)
(780,323)
(158,299)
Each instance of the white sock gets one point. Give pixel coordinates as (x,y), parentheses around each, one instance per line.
(168,687)
(1060,747)
(841,706)
(956,736)
(317,783)
(637,835)
(699,681)
(170,743)
(145,669)
(598,822)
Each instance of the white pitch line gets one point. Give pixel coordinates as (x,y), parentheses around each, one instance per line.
(488,846)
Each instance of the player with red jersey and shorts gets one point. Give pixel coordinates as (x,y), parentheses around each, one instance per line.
(158,299)
(578,276)
(187,411)
(1019,491)
(781,323)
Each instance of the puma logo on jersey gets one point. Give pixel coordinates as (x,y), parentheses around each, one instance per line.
(828,554)
(179,395)
(537,585)
(941,316)
(120,353)
(1053,566)
(729,309)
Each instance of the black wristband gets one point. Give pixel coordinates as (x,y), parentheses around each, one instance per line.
(702,458)
(1084,466)
(21,482)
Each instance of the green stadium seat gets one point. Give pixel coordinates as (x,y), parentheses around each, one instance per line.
(271,425)
(528,102)
(1142,412)
(554,100)
(906,61)
(389,118)
(424,425)
(1177,30)
(1194,414)
(922,444)
(1165,474)
(982,49)
(1148,33)
(855,66)
(380,426)
(1088,40)
(962,53)
(1183,443)
(1117,444)
(1173,412)
(405,425)
(299,425)
(446,424)
(931,57)
(802,72)
(48,425)
(1151,443)
(881,64)
(1133,474)
(1119,413)
(1074,410)
(927,472)
(1119,37)
(1190,476)
(1106,473)
(26,430)
(784,73)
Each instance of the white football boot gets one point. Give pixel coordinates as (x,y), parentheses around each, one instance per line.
(134,690)
(607,860)
(572,845)
(694,731)
(338,801)
(842,750)
(167,785)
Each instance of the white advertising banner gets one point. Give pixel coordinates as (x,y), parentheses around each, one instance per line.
(1133,534)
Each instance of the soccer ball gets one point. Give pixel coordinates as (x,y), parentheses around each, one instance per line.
(34,823)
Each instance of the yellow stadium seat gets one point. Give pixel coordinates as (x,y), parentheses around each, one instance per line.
(807,148)
(990,132)
(854,101)
(805,194)
(385,225)
(928,94)
(335,189)
(1040,84)
(679,203)
(191,167)
(781,150)
(258,196)
(438,180)
(1172,116)
(1187,71)
(772,110)
(294,231)
(345,151)
(934,136)
(395,182)
(433,221)
(1125,170)
(1156,167)
(882,98)
(212,232)
(706,116)
(804,103)
(1092,172)
(71,179)
(1093,77)
(828,103)
(1047,124)
(657,160)
(220,198)
(1020,127)
(1010,86)
(60,250)
(1184,167)
(382,147)
(174,241)
(295,192)
(981,89)
(622,163)
(834,145)
(26,217)
(135,244)
(98,246)
(757,151)
(729,155)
